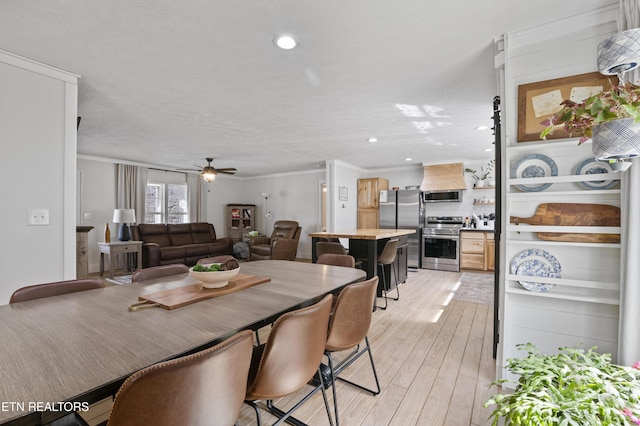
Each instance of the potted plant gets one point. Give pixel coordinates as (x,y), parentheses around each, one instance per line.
(484,173)
(611,118)
(572,387)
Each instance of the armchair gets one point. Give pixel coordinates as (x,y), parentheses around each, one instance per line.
(282,245)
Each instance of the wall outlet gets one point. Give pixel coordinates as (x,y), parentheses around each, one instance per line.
(37,216)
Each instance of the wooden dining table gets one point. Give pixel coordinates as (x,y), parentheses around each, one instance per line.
(80,347)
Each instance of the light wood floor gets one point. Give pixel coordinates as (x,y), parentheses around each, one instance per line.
(434,360)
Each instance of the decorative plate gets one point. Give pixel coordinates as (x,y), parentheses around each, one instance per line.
(533,166)
(536,263)
(592,166)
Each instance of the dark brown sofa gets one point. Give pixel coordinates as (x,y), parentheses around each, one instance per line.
(179,243)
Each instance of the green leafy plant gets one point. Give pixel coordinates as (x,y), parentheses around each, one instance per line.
(484,171)
(620,101)
(572,387)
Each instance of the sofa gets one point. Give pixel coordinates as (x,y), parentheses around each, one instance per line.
(185,243)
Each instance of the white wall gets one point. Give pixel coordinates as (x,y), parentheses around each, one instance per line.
(37,170)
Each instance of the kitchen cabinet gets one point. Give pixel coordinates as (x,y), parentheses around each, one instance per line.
(490,252)
(474,251)
(369,201)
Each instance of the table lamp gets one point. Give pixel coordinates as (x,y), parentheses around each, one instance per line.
(124,217)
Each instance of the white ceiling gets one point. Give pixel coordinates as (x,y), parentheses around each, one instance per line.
(172,82)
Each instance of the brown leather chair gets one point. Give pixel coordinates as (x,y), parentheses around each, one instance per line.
(388,257)
(206,388)
(348,327)
(289,359)
(158,271)
(282,245)
(337,260)
(54,289)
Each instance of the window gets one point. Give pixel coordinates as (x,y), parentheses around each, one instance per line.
(166,198)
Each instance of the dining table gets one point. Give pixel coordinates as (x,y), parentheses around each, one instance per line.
(364,244)
(65,352)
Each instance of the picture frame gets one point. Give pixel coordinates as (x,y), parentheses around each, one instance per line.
(343,193)
(538,101)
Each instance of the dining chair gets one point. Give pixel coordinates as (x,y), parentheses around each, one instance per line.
(158,271)
(348,328)
(388,257)
(330,247)
(337,260)
(206,388)
(289,360)
(38,291)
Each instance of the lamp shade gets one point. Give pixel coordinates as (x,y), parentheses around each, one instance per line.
(124,216)
(620,52)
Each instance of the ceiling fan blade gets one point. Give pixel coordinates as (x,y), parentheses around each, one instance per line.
(225,172)
(227,169)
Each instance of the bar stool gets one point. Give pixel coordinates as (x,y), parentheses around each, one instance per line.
(388,257)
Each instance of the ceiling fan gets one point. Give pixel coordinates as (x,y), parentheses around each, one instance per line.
(209,172)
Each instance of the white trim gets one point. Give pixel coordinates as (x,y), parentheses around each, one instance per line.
(69,180)
(38,67)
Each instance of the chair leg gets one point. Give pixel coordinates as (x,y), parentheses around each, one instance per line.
(257,410)
(384,289)
(287,417)
(395,273)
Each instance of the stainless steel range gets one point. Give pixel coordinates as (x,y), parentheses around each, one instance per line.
(441,243)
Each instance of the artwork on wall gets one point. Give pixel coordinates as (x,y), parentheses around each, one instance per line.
(342,193)
(538,101)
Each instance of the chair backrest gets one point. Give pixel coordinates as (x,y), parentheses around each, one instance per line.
(323,247)
(352,314)
(206,388)
(293,352)
(389,251)
(337,260)
(54,289)
(158,271)
(286,229)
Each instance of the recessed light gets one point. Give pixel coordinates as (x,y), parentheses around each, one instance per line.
(488,149)
(372,140)
(408,159)
(285,42)
(482,127)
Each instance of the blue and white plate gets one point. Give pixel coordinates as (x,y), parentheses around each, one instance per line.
(591,166)
(536,263)
(533,166)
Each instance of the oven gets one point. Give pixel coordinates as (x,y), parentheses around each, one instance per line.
(441,243)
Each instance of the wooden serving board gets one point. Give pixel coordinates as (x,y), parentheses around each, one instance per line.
(574,214)
(182,296)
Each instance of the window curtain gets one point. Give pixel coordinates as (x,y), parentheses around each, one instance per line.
(131,187)
(628,336)
(197,194)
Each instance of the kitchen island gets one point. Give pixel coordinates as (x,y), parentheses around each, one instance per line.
(367,244)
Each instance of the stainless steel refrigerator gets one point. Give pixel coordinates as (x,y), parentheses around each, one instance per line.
(404,210)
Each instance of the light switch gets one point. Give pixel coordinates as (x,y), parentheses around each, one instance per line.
(37,216)
(86,216)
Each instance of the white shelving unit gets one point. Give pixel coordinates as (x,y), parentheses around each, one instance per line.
(582,307)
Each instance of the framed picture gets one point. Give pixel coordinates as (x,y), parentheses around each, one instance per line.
(538,101)
(342,193)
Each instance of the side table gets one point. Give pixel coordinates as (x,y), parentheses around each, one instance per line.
(113,249)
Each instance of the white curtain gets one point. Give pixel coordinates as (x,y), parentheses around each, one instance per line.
(131,187)
(197,194)
(628,335)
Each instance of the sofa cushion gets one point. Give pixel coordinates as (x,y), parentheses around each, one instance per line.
(201,232)
(154,233)
(178,228)
(160,239)
(197,250)
(168,253)
(180,239)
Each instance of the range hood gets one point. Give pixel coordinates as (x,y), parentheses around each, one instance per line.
(443,177)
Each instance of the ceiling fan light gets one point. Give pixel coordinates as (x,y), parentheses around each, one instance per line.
(208,176)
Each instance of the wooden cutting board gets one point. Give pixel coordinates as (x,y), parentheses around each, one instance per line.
(182,296)
(574,214)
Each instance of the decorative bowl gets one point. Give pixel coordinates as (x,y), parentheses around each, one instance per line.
(214,279)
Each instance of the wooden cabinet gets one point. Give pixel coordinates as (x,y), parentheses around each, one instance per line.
(369,201)
(477,250)
(240,220)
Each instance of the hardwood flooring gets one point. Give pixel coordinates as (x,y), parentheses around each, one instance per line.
(433,355)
